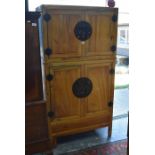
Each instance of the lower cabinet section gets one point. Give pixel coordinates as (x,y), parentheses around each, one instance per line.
(80,96)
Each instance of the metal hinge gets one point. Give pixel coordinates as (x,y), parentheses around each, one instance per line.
(112,71)
(114,18)
(49,77)
(50,114)
(113,48)
(48,51)
(110,104)
(47,17)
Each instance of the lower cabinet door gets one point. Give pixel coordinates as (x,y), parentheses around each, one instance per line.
(98,102)
(63,102)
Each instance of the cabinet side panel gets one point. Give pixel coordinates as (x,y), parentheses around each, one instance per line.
(36,123)
(33,77)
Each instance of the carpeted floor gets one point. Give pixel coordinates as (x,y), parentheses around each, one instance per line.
(113,148)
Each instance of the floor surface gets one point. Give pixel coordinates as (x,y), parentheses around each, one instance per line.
(69,144)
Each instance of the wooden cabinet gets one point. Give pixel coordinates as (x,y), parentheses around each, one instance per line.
(79,45)
(36,124)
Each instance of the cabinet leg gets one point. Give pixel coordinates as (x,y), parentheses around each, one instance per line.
(53,141)
(109,131)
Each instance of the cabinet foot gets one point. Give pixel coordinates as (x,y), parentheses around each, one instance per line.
(109,131)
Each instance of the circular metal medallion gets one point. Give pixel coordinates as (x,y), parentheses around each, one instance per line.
(82,87)
(83,30)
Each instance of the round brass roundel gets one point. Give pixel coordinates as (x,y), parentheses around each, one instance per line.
(82,87)
(83,30)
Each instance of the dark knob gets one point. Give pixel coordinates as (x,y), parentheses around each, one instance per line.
(49,77)
(48,51)
(113,48)
(50,114)
(114,18)
(110,104)
(47,17)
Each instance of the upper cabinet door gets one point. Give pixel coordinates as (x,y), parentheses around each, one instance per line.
(59,34)
(104,30)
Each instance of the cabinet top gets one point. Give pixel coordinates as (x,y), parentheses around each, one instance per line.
(74,7)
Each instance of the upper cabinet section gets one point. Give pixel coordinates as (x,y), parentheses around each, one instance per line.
(78,31)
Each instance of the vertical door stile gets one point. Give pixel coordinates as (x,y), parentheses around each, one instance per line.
(112,81)
(114,31)
(48,96)
(86,99)
(47,70)
(51,85)
(82,43)
(82,100)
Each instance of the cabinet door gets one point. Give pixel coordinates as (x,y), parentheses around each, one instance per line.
(59,34)
(63,102)
(103,33)
(102,93)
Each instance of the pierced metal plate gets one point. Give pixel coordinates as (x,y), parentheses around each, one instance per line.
(83,30)
(82,87)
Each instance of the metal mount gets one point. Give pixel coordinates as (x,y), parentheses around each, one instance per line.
(47,17)
(49,77)
(114,18)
